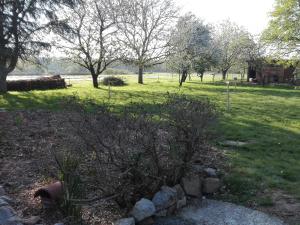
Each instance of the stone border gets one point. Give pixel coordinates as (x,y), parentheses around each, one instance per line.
(7,214)
(166,202)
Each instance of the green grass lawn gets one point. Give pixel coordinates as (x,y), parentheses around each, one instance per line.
(268,118)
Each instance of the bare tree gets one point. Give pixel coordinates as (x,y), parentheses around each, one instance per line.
(232,44)
(20,29)
(144,26)
(89,39)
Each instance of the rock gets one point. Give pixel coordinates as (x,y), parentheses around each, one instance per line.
(59,224)
(2,191)
(143,209)
(165,198)
(197,169)
(234,143)
(173,221)
(7,199)
(192,185)
(181,203)
(31,221)
(15,220)
(3,203)
(162,213)
(181,198)
(210,172)
(125,221)
(6,212)
(147,221)
(211,185)
(179,191)
(221,213)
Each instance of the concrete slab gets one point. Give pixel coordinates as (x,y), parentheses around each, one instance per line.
(211,212)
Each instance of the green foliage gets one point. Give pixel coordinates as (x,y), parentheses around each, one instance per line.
(284,27)
(72,186)
(202,64)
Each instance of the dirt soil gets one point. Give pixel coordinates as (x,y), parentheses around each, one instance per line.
(284,206)
(26,164)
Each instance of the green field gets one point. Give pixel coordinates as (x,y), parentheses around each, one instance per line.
(267,118)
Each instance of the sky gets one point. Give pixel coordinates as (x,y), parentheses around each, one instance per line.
(251,14)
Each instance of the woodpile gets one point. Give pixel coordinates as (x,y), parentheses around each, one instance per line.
(43,83)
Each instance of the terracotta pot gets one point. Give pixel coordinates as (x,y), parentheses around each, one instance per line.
(50,194)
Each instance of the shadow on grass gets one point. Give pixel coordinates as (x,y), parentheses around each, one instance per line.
(270,160)
(30,100)
(256,90)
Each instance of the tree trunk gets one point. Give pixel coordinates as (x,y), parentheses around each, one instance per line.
(224,73)
(201,76)
(95,81)
(141,72)
(183,77)
(3,85)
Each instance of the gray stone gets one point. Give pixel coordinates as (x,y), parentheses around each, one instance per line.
(197,168)
(3,203)
(179,191)
(162,213)
(234,143)
(143,209)
(211,185)
(15,220)
(192,185)
(2,191)
(165,198)
(210,172)
(59,224)
(147,221)
(31,220)
(212,212)
(7,199)
(173,221)
(125,221)
(6,212)
(181,203)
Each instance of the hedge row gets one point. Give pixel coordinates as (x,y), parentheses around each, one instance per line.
(44,83)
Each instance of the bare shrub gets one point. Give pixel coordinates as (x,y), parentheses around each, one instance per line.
(113,81)
(131,154)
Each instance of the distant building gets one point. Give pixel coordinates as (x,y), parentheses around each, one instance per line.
(264,72)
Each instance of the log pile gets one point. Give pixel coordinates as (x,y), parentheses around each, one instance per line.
(43,83)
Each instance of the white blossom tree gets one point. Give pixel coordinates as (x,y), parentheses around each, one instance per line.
(232,44)
(190,39)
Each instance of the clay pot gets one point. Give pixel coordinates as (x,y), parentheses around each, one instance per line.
(50,194)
